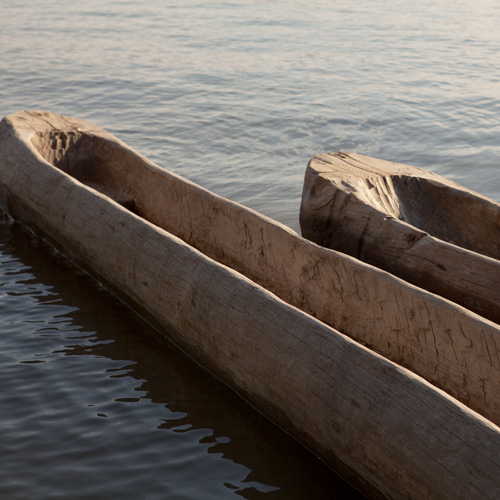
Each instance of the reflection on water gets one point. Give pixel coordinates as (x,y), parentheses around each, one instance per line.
(96,404)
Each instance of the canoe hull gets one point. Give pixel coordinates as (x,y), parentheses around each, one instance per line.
(424,228)
(388,431)
(412,327)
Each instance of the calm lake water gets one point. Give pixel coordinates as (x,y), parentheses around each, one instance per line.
(236,96)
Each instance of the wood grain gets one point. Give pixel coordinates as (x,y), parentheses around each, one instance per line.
(453,349)
(387,430)
(426,229)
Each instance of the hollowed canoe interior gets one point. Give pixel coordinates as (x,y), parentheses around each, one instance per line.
(445,212)
(219,228)
(91,160)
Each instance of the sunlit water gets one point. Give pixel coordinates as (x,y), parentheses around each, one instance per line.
(236,96)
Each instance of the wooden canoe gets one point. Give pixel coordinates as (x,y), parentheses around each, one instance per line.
(210,273)
(422,227)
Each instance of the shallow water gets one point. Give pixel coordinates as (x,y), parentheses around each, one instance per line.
(236,96)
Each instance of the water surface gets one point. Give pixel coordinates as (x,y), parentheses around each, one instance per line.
(96,404)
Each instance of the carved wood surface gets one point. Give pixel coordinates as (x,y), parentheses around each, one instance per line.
(387,430)
(453,349)
(424,228)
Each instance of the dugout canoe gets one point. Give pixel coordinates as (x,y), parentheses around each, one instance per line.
(209,274)
(415,224)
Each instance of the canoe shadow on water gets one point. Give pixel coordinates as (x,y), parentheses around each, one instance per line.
(195,401)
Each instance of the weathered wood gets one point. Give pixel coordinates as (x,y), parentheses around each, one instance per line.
(422,227)
(388,431)
(409,326)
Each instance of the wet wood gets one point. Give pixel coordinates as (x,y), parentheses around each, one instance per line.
(388,431)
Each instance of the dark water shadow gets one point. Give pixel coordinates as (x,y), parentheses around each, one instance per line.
(166,376)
